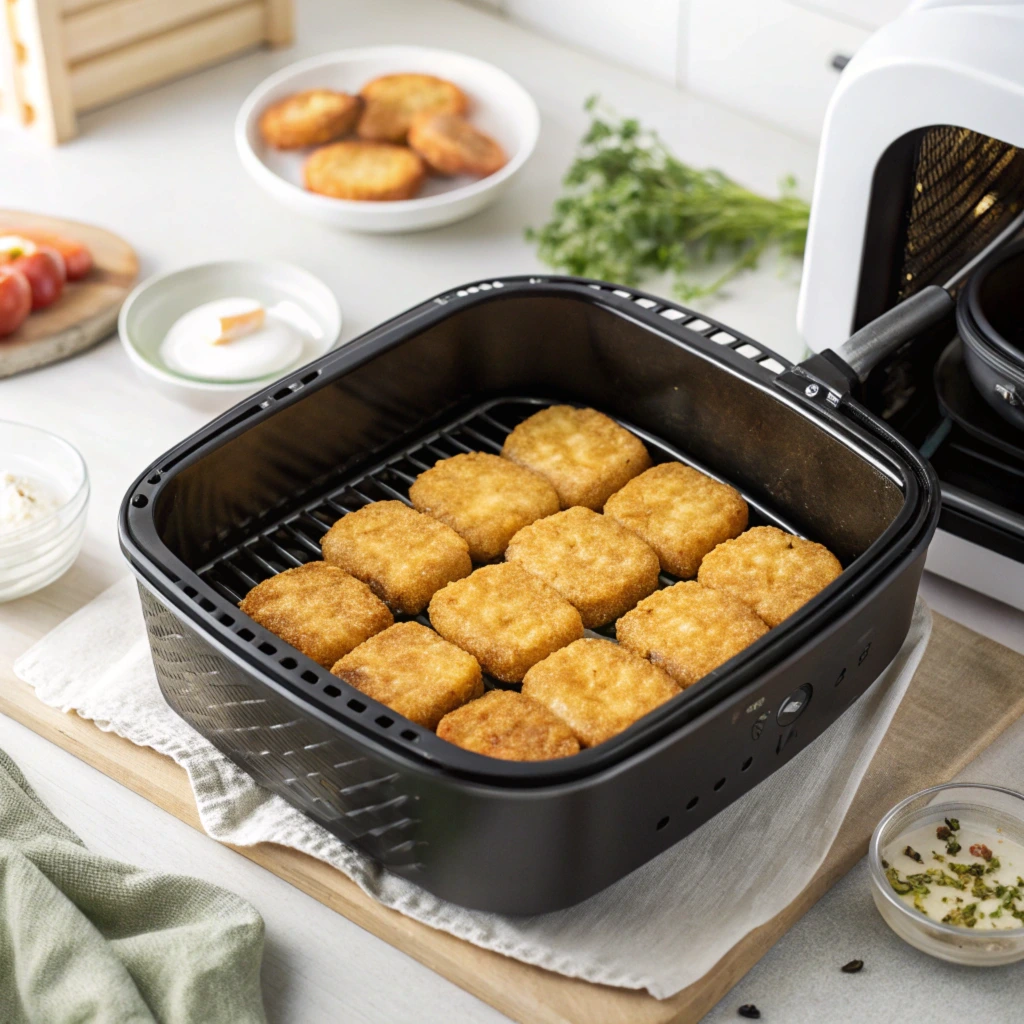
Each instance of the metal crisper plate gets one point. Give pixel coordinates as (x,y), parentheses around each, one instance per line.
(294,538)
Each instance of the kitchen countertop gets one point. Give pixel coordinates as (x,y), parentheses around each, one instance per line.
(161,170)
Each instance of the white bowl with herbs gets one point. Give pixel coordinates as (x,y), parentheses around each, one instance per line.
(947,873)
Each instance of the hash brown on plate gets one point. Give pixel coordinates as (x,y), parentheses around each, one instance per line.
(483,498)
(317,608)
(507,725)
(680,512)
(411,670)
(598,566)
(309,118)
(770,570)
(689,630)
(506,618)
(354,169)
(598,688)
(402,555)
(451,145)
(584,454)
(392,101)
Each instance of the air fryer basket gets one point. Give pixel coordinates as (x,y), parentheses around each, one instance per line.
(250,494)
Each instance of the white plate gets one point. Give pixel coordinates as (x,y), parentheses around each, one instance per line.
(151,309)
(499,106)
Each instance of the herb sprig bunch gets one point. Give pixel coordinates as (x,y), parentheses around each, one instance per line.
(631,209)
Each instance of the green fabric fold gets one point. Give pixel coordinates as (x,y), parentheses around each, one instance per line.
(84,938)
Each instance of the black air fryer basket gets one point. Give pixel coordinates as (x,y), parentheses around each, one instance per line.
(251,493)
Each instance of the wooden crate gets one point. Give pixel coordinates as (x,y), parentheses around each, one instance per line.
(59,57)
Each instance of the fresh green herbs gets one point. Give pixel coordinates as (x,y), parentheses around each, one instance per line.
(631,209)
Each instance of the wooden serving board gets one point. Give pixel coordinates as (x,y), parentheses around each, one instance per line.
(87,310)
(966,691)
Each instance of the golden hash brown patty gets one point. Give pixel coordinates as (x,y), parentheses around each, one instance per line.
(508,725)
(680,512)
(506,618)
(392,102)
(318,608)
(401,554)
(486,500)
(689,630)
(364,170)
(411,670)
(770,570)
(596,565)
(586,456)
(309,118)
(598,688)
(451,145)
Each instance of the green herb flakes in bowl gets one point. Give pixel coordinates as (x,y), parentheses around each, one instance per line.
(946,870)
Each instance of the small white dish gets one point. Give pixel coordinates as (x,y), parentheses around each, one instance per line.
(155,305)
(500,106)
(37,553)
(974,805)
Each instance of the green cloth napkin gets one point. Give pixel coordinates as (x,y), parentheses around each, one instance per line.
(87,939)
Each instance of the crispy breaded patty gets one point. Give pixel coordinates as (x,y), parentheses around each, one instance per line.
(309,118)
(508,725)
(689,630)
(770,570)
(401,554)
(392,102)
(373,171)
(318,608)
(598,566)
(451,145)
(598,688)
(413,671)
(506,618)
(585,455)
(484,499)
(680,512)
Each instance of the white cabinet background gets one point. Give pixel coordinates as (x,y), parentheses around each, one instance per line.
(768,58)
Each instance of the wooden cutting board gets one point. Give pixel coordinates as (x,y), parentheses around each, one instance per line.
(934,735)
(87,310)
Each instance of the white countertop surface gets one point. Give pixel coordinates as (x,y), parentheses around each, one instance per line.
(161,170)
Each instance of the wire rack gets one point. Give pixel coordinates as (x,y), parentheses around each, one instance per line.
(294,538)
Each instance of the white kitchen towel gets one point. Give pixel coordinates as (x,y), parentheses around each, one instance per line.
(661,928)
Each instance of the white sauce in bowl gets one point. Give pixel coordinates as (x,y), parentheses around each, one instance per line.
(24,500)
(976,889)
(189,347)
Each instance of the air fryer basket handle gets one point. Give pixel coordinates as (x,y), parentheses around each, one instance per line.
(865,349)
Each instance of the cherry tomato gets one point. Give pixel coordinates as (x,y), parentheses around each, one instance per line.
(15,300)
(46,273)
(77,257)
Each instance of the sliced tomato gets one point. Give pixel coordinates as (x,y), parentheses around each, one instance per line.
(15,299)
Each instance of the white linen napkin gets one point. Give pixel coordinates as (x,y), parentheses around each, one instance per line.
(660,928)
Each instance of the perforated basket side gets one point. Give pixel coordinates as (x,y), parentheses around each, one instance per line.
(318,770)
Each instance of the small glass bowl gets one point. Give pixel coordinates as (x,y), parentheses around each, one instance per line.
(991,806)
(39,552)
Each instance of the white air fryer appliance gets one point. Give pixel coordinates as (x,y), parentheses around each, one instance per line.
(919,170)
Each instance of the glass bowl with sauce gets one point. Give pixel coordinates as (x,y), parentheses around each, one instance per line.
(44,498)
(947,873)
